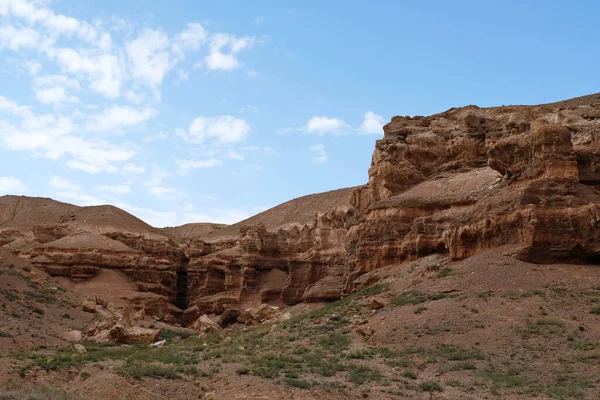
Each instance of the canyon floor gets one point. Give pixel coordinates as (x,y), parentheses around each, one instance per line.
(485,327)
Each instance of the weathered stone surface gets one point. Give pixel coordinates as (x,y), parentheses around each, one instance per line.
(229,317)
(89,306)
(256,316)
(470,179)
(73,336)
(205,325)
(455,183)
(326,289)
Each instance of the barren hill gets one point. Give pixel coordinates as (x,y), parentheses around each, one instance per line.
(21,212)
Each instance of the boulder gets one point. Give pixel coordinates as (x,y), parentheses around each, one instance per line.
(377,303)
(79,349)
(89,306)
(205,325)
(229,317)
(73,336)
(255,316)
(329,288)
(133,334)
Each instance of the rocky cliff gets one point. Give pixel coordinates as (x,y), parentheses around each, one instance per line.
(455,183)
(470,179)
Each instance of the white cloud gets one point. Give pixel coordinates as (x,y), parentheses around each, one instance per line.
(134,97)
(153,138)
(259,20)
(372,124)
(234,155)
(104,70)
(18,38)
(91,168)
(80,199)
(322,125)
(219,216)
(55,24)
(153,217)
(182,75)
(224,129)
(59,182)
(220,60)
(320,155)
(115,118)
(53,138)
(185,166)
(52,89)
(115,189)
(192,38)
(33,67)
(149,57)
(11,185)
(165,193)
(133,169)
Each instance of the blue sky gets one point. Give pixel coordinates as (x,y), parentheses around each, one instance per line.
(188,111)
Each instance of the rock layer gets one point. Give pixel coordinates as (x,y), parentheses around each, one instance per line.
(456,183)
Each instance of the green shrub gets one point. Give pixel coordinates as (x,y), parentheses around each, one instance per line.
(431,386)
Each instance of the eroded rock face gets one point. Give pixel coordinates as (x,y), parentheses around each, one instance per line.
(470,179)
(455,183)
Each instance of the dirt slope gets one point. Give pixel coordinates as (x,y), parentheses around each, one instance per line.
(34,309)
(487,327)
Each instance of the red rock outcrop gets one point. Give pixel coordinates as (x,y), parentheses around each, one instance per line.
(456,183)
(470,179)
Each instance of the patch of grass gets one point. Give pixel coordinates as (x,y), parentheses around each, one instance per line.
(595,310)
(9,295)
(38,311)
(584,345)
(544,327)
(5,335)
(298,383)
(154,370)
(401,363)
(168,334)
(31,394)
(435,266)
(420,310)
(273,365)
(456,353)
(568,386)
(431,386)
(446,271)
(40,297)
(415,297)
(461,366)
(335,342)
(410,374)
(84,375)
(242,371)
(509,379)
(373,290)
(359,374)
(66,316)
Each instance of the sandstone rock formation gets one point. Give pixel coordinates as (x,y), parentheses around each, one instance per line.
(470,179)
(455,183)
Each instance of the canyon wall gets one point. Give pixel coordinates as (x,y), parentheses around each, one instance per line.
(455,183)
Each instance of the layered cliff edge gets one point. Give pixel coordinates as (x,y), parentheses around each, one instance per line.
(456,183)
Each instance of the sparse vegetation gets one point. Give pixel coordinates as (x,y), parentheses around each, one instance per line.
(415,297)
(431,386)
(27,393)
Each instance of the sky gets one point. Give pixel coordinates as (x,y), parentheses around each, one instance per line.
(212,111)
